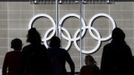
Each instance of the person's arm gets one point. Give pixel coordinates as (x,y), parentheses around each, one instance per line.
(71,63)
(5,65)
(105,61)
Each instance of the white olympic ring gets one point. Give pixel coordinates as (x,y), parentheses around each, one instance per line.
(75,38)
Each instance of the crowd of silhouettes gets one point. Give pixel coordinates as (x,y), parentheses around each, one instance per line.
(36,59)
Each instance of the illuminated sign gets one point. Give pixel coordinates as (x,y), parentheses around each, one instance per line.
(75,38)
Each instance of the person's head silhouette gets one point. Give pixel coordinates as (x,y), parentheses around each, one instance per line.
(55,42)
(89,60)
(118,35)
(16,44)
(33,36)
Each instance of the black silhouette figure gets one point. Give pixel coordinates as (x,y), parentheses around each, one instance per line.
(90,67)
(59,57)
(13,59)
(35,60)
(117,57)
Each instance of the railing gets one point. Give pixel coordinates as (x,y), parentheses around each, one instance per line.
(71,1)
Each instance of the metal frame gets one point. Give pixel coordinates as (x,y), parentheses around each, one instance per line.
(65,0)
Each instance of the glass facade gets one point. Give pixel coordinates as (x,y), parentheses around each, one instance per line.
(67,20)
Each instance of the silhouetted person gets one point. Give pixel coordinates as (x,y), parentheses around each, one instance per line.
(59,57)
(13,59)
(90,67)
(117,57)
(35,60)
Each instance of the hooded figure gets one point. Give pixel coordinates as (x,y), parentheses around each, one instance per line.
(117,57)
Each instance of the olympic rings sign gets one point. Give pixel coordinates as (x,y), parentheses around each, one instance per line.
(75,38)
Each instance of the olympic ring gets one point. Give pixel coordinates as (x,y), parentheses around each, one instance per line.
(75,38)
